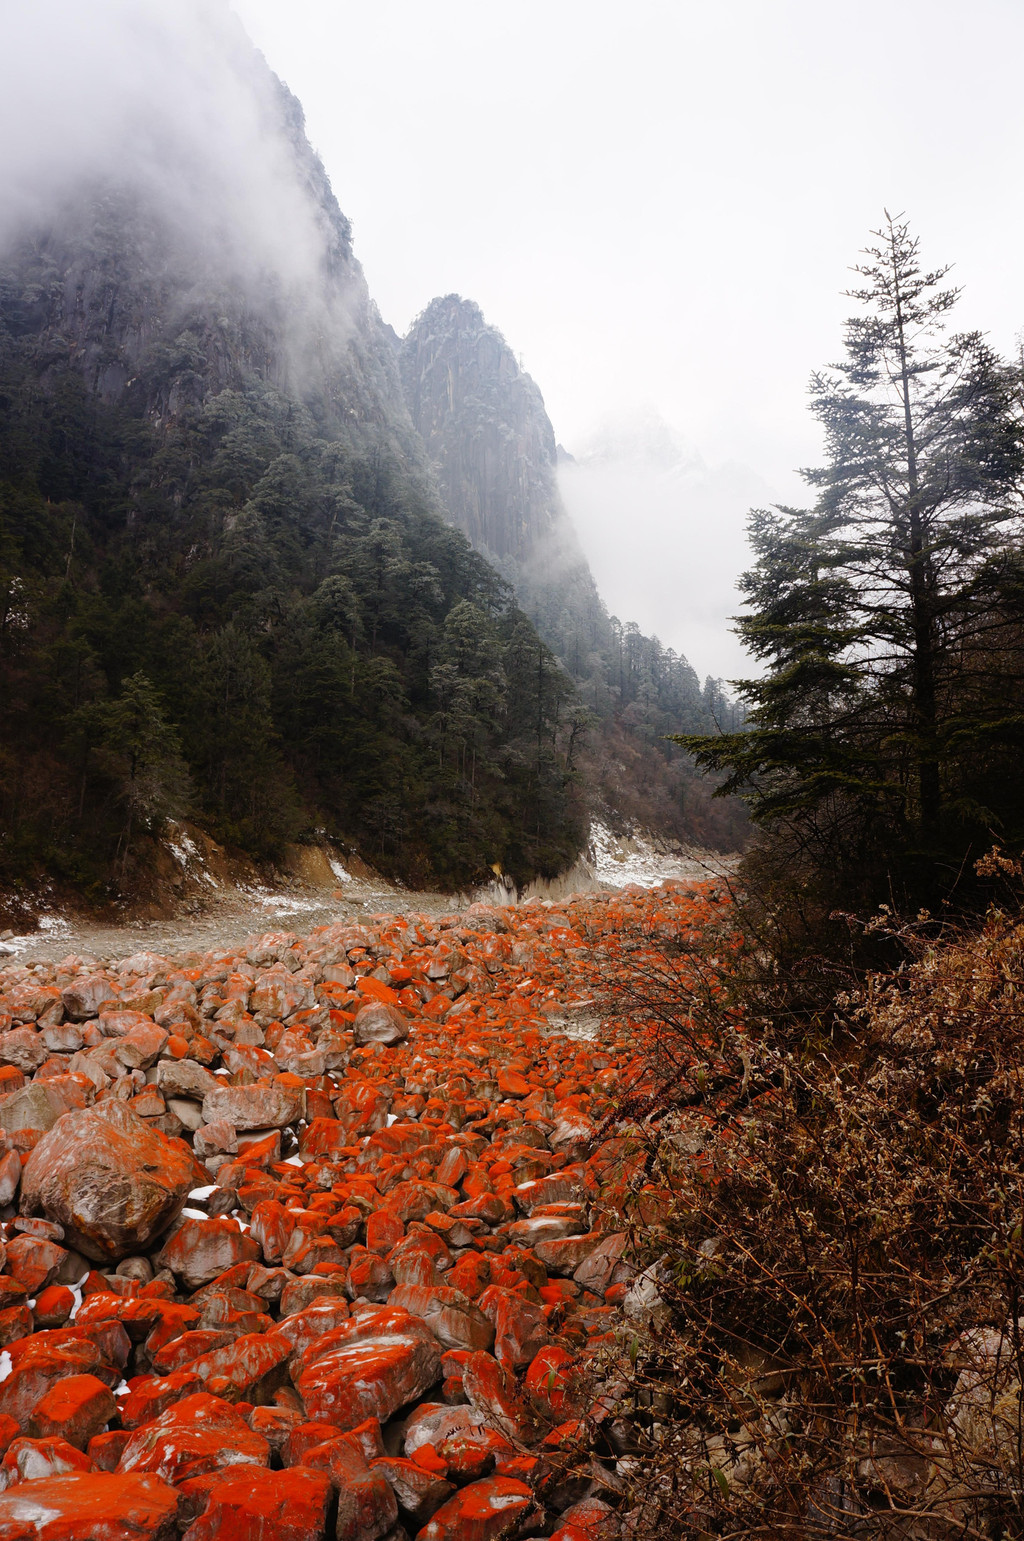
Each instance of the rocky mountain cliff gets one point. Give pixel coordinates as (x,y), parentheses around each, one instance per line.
(493,451)
(485,428)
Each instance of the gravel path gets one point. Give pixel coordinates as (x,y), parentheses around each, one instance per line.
(230,914)
(229,918)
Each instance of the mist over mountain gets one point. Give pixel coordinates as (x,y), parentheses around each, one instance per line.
(636,489)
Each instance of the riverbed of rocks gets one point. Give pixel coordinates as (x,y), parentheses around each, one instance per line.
(320,1237)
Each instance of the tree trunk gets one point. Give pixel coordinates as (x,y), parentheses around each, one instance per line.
(922,614)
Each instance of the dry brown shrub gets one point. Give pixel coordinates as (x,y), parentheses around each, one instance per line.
(827,1339)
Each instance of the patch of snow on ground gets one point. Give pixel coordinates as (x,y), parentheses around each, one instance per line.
(338,870)
(53,926)
(184,849)
(621,860)
(279,904)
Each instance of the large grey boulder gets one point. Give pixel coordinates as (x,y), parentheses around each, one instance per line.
(379,1023)
(111,1180)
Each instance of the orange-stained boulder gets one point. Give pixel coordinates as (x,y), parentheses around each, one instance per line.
(75,1409)
(367,1507)
(451,1316)
(371,1377)
(200,1433)
(520,1326)
(90,1506)
(33,1262)
(254,1107)
(113,1182)
(434,1422)
(379,1023)
(42,1366)
(201,1250)
(412,1200)
(154,1394)
(492,1391)
(30,1460)
(306,1327)
(255,1365)
(419,1493)
(256,1505)
(589,1520)
(484,1511)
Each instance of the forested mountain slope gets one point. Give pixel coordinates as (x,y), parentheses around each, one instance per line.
(494,453)
(226,585)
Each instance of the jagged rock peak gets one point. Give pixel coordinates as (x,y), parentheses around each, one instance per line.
(485,427)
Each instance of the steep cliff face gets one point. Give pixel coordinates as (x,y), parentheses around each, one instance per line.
(494,455)
(493,451)
(485,428)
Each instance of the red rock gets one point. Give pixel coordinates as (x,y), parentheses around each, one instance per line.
(53,1306)
(493,1392)
(306,1327)
(272,1226)
(565,1256)
(489,1207)
(200,1433)
(36,1372)
(380,1022)
(111,1181)
(367,1507)
(141,1045)
(84,997)
(200,1250)
(470,1273)
(105,1450)
(485,1511)
(90,1507)
(155,1321)
(254,1107)
(303,1437)
(75,1409)
(31,1460)
(372,1376)
(15,1322)
(33,1262)
(256,1505)
(254,1365)
(24,1048)
(433,1422)
(598,1269)
(300,1294)
(451,1316)
(182,1352)
(154,1394)
(564,1187)
(369,1276)
(472,1454)
(9,1431)
(419,1493)
(384,1230)
(520,1327)
(589,1520)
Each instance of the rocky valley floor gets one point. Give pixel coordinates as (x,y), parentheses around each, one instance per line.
(321,1236)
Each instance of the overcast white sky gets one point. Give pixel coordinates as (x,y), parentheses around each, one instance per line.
(657,201)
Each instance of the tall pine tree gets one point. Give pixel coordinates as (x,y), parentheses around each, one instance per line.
(891,700)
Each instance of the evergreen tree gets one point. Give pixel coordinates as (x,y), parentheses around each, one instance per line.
(891,690)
